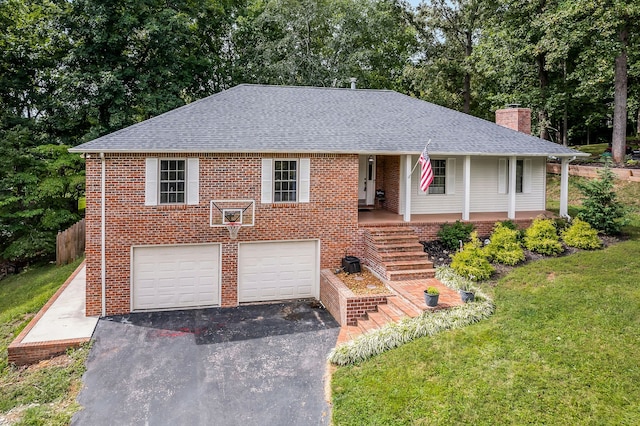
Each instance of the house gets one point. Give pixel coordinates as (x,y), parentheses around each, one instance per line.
(307,172)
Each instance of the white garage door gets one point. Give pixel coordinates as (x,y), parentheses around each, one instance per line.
(175,277)
(277,271)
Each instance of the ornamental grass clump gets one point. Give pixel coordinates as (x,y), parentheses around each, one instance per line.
(581,235)
(504,246)
(393,335)
(471,262)
(542,237)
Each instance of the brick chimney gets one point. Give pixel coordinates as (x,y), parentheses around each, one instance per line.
(515,118)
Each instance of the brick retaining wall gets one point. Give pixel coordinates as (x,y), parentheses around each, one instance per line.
(632,175)
(345,306)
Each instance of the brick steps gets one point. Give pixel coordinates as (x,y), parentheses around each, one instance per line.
(411,274)
(399,254)
(407,302)
(393,311)
(406,265)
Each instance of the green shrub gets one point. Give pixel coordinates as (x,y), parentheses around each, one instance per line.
(451,234)
(472,262)
(432,291)
(542,237)
(600,208)
(581,235)
(504,246)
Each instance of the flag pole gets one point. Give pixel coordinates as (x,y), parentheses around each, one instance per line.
(416,165)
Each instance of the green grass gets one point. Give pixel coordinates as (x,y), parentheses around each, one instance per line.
(46,393)
(561,349)
(594,149)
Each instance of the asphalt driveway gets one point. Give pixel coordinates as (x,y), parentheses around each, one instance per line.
(251,365)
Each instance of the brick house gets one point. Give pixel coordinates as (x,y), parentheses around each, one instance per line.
(311,171)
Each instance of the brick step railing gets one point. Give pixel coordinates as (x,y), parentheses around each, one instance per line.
(397,255)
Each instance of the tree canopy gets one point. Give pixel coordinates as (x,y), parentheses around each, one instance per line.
(73,71)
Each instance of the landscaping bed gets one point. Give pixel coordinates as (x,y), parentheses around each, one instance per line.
(363,282)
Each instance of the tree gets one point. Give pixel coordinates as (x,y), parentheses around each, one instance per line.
(133,60)
(455,28)
(323,43)
(39,186)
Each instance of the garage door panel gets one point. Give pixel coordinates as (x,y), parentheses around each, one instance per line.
(277,270)
(175,277)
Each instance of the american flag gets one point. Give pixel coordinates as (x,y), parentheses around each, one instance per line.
(426,173)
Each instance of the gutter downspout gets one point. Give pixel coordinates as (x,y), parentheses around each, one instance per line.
(103,258)
(564,187)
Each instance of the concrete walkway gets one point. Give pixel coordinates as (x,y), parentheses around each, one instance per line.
(60,324)
(65,318)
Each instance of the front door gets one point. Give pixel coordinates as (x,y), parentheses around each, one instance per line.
(367,180)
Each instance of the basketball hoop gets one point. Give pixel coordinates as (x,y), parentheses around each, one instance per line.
(233,228)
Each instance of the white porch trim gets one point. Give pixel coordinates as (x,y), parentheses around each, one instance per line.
(407,188)
(511,210)
(466,176)
(564,187)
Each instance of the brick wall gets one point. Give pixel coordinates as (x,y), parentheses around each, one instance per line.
(329,217)
(391,182)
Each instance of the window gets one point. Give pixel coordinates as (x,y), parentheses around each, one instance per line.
(523,176)
(519,175)
(172,181)
(285,180)
(439,184)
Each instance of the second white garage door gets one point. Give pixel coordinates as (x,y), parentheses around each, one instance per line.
(278,270)
(175,277)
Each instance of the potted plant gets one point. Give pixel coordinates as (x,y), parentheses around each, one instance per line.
(431,295)
(466,292)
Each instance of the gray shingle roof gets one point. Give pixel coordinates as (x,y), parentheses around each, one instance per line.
(279,119)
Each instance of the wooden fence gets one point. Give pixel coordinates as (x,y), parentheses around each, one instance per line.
(70,243)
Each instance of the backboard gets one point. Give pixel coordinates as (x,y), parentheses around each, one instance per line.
(225,212)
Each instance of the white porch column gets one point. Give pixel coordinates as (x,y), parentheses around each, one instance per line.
(511,211)
(466,175)
(564,187)
(407,188)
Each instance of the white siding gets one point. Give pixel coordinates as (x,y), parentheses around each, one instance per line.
(485,184)
(423,203)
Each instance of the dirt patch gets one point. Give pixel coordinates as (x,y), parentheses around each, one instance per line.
(363,282)
(58,361)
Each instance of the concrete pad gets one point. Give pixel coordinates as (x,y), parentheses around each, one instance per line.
(65,319)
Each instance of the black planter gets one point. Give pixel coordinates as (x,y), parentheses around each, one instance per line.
(431,299)
(467,296)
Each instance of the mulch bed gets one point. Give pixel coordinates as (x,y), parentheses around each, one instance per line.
(440,256)
(363,282)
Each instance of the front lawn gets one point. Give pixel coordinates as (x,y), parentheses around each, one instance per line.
(44,393)
(562,348)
